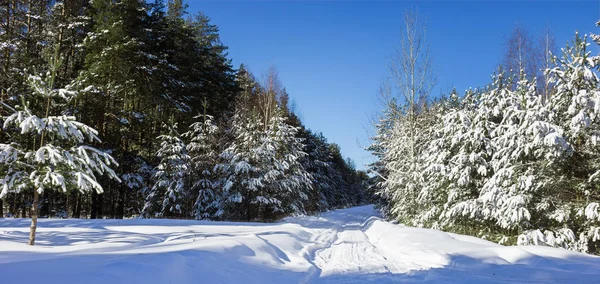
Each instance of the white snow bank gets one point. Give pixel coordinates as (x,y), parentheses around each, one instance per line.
(345,246)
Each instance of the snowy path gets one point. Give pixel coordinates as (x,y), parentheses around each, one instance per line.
(344,246)
(350,251)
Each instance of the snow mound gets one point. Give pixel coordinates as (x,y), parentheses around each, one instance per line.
(345,246)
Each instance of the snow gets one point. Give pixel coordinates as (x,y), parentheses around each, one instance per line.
(345,246)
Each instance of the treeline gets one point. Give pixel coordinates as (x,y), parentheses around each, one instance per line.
(515,162)
(192,136)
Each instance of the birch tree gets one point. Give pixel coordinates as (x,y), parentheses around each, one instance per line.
(413,80)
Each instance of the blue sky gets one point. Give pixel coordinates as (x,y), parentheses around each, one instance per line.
(332,56)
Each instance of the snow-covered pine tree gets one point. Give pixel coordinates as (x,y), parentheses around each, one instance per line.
(318,163)
(585,123)
(525,147)
(288,182)
(572,207)
(263,176)
(505,163)
(48,152)
(239,163)
(383,130)
(334,182)
(203,150)
(340,196)
(405,164)
(167,196)
(139,181)
(431,194)
(457,161)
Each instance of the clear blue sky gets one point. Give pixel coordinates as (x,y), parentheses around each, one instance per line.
(332,56)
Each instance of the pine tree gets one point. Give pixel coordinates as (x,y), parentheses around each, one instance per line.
(570,212)
(240,165)
(406,166)
(176,9)
(214,74)
(262,169)
(523,142)
(68,25)
(318,163)
(383,128)
(458,162)
(47,151)
(169,192)
(204,152)
(287,179)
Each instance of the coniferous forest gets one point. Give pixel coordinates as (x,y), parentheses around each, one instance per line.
(515,162)
(116,109)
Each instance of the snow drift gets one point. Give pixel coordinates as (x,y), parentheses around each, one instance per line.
(349,246)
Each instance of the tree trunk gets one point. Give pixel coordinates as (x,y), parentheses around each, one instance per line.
(23,206)
(34,217)
(94,213)
(1,209)
(45,206)
(121,205)
(12,206)
(100,206)
(79,201)
(76,209)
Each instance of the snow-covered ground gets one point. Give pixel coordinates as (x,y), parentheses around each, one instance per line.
(345,246)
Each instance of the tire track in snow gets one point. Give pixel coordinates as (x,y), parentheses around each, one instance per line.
(324,241)
(351,253)
(347,250)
